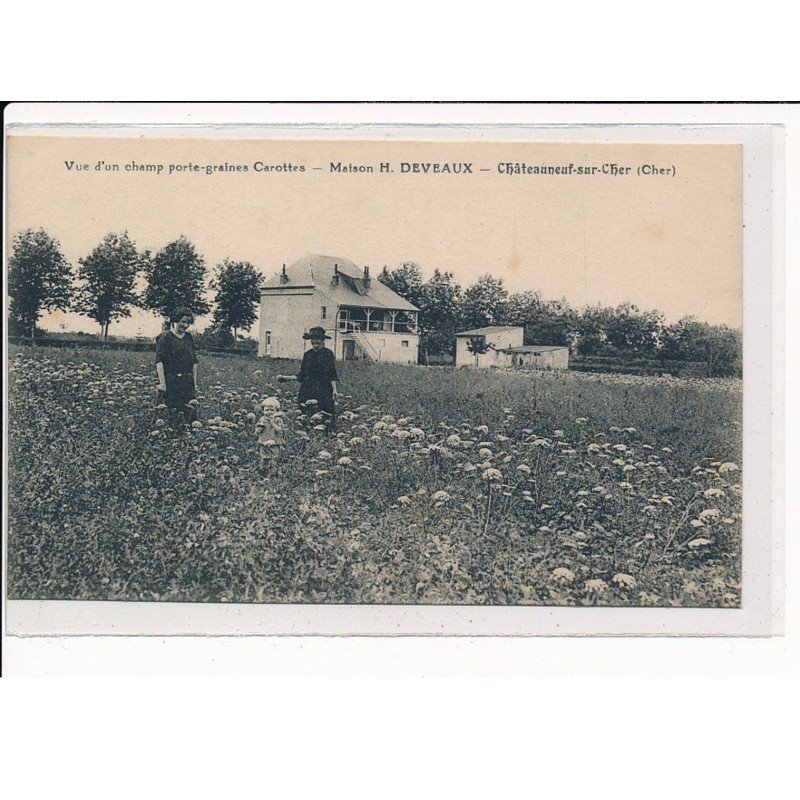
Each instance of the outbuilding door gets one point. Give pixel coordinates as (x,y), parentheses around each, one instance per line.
(348,350)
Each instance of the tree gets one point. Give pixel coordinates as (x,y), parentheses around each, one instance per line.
(591,330)
(478,346)
(552,322)
(484,303)
(175,277)
(238,288)
(630,329)
(108,281)
(213,336)
(717,347)
(406,280)
(39,279)
(438,318)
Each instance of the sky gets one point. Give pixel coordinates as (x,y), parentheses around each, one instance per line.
(669,240)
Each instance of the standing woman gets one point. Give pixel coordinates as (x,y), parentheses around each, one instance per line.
(176,365)
(317,377)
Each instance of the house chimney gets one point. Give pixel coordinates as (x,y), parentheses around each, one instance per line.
(284,276)
(335,278)
(367,280)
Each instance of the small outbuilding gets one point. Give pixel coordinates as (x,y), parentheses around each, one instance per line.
(502,346)
(541,356)
(482,347)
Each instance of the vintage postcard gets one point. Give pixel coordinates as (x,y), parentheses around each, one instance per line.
(359,379)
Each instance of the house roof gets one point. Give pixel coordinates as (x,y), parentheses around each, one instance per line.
(316,271)
(534,348)
(490,329)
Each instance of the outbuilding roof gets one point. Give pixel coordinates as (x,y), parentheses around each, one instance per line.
(489,329)
(351,288)
(533,348)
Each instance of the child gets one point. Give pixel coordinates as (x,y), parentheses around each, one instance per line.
(270,431)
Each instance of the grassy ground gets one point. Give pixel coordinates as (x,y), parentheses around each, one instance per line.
(440,486)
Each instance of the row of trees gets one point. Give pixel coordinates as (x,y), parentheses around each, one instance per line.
(622,331)
(115,278)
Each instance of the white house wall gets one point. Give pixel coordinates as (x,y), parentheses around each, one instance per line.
(388,347)
(287,317)
(491,358)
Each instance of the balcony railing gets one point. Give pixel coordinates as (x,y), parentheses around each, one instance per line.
(377,326)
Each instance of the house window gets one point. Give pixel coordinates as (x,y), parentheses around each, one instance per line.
(404,343)
(324,312)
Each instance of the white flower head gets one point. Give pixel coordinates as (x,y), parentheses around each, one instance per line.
(624,581)
(562,575)
(711,513)
(699,542)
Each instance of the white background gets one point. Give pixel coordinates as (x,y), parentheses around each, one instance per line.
(724,728)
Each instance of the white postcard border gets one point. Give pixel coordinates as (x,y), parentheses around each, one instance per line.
(762,590)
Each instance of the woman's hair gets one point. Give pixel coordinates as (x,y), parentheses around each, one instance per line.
(182,312)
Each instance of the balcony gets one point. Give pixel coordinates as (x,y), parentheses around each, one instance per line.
(377,321)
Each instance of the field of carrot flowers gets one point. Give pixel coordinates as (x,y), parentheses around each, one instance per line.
(438,486)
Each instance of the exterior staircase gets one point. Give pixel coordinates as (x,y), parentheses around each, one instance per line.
(370,353)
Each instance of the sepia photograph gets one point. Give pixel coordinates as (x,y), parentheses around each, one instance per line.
(374,372)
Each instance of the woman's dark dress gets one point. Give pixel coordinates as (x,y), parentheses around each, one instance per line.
(317,372)
(178,356)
